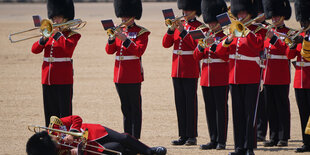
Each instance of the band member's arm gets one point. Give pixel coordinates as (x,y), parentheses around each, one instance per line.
(110,47)
(223,48)
(291,53)
(38,46)
(199,53)
(138,46)
(279,44)
(74,122)
(67,43)
(168,39)
(255,42)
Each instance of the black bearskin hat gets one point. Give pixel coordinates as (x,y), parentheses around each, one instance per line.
(259,6)
(192,5)
(211,8)
(243,5)
(277,8)
(128,8)
(301,10)
(63,8)
(41,143)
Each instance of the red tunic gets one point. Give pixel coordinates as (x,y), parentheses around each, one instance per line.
(243,58)
(302,73)
(129,71)
(58,72)
(215,67)
(183,63)
(277,65)
(95,131)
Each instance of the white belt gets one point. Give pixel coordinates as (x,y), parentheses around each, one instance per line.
(210,60)
(52,59)
(180,52)
(131,57)
(303,64)
(243,57)
(272,56)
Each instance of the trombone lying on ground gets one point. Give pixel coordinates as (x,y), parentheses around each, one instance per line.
(81,139)
(46,29)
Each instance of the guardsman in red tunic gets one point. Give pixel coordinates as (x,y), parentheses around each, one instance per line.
(98,135)
(244,77)
(57,68)
(302,66)
(214,76)
(128,47)
(185,70)
(277,73)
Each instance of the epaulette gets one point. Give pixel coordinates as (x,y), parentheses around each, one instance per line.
(142,31)
(72,33)
(202,26)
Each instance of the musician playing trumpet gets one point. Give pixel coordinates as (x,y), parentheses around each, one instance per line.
(101,140)
(57,68)
(302,69)
(129,45)
(214,76)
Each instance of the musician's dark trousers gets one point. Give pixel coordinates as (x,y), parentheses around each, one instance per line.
(261,118)
(243,107)
(131,105)
(124,143)
(278,111)
(303,102)
(57,101)
(217,112)
(185,95)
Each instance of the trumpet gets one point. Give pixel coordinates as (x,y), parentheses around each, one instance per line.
(47,27)
(111,31)
(170,22)
(82,144)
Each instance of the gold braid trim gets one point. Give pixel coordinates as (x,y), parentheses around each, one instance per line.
(142,31)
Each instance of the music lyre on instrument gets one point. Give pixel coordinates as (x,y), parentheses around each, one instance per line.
(170,19)
(108,25)
(46,28)
(82,137)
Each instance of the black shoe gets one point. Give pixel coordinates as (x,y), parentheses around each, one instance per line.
(237,152)
(221,146)
(180,141)
(250,152)
(270,143)
(282,143)
(304,148)
(191,141)
(209,146)
(261,139)
(158,150)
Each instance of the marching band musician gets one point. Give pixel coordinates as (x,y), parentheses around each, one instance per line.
(129,45)
(302,66)
(244,77)
(98,136)
(57,68)
(185,70)
(277,73)
(214,77)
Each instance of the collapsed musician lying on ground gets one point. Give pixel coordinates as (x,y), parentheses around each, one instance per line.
(98,135)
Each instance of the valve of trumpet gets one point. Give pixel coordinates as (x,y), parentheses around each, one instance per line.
(46,33)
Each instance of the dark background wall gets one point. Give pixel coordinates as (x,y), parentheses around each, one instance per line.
(40,1)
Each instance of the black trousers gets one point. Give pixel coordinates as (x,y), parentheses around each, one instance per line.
(57,101)
(303,102)
(124,143)
(278,111)
(261,117)
(131,105)
(217,112)
(243,107)
(185,96)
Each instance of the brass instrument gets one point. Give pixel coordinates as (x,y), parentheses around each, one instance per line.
(111,31)
(307,130)
(305,52)
(47,27)
(170,22)
(238,28)
(82,137)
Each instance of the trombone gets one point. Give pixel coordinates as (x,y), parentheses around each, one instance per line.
(170,22)
(83,137)
(111,31)
(47,27)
